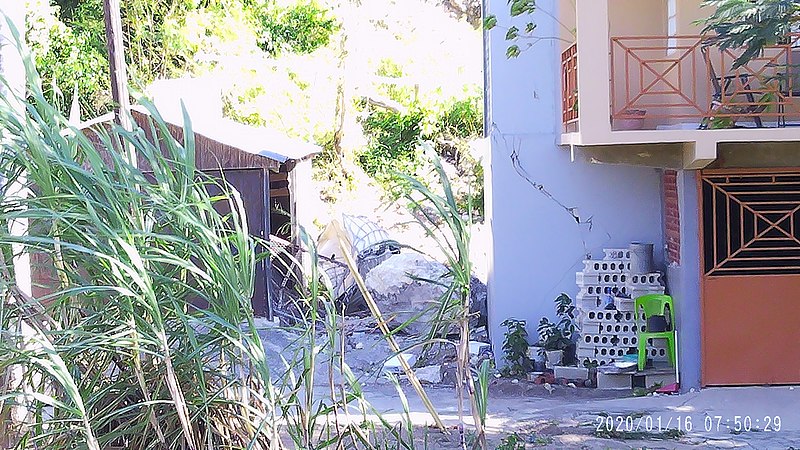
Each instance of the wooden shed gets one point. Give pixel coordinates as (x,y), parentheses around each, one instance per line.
(271,172)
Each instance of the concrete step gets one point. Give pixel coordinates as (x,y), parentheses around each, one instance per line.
(661,374)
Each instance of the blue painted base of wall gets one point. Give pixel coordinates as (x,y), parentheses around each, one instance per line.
(537,243)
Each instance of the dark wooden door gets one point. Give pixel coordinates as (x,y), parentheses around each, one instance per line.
(751,277)
(253,186)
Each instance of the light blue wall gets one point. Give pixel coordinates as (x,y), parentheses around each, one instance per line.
(537,246)
(684,282)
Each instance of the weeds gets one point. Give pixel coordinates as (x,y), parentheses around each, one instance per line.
(669,434)
(515,349)
(441,219)
(144,335)
(116,347)
(512,442)
(644,392)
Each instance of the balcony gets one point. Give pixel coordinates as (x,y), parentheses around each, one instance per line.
(569,84)
(674,89)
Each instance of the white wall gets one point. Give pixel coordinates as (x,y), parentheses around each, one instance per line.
(12,70)
(536,245)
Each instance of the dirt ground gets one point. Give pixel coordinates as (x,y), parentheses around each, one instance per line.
(572,417)
(577,418)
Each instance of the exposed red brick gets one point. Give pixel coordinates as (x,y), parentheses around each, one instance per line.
(672,218)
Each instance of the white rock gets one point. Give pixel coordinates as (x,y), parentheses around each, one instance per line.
(400,296)
(429,374)
(393,364)
(475,347)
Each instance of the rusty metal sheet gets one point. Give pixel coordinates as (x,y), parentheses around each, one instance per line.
(750,262)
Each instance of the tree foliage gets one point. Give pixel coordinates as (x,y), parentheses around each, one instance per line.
(469,10)
(513,33)
(750,24)
(66,59)
(162,38)
(301,28)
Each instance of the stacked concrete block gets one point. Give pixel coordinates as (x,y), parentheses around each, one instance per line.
(613,381)
(606,335)
(571,373)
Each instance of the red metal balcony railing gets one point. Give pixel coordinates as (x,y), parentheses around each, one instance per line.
(677,81)
(569,85)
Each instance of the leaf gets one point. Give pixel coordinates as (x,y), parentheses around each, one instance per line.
(530,27)
(519,7)
(512,33)
(490,22)
(512,51)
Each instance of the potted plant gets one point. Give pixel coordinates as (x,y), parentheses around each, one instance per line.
(558,340)
(552,341)
(565,310)
(630,119)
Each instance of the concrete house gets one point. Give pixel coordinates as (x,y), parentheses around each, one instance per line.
(618,125)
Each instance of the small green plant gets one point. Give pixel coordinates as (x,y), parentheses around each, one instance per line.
(551,337)
(539,441)
(462,119)
(515,349)
(559,336)
(565,311)
(644,392)
(670,434)
(512,442)
(717,123)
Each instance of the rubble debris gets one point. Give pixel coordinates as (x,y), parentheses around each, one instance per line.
(672,388)
(448,371)
(546,377)
(429,374)
(392,365)
(478,304)
(401,295)
(369,246)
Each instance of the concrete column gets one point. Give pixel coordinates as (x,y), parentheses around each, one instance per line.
(684,281)
(12,14)
(593,69)
(10,60)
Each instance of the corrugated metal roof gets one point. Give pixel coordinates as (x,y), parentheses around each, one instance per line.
(222,135)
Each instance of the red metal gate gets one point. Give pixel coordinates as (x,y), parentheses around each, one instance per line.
(751,276)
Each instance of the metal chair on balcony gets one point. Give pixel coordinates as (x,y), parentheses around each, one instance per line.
(725,89)
(789,82)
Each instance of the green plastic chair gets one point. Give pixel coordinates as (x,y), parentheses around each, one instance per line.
(655,305)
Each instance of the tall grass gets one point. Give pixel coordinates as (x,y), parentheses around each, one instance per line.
(116,349)
(145,337)
(440,217)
